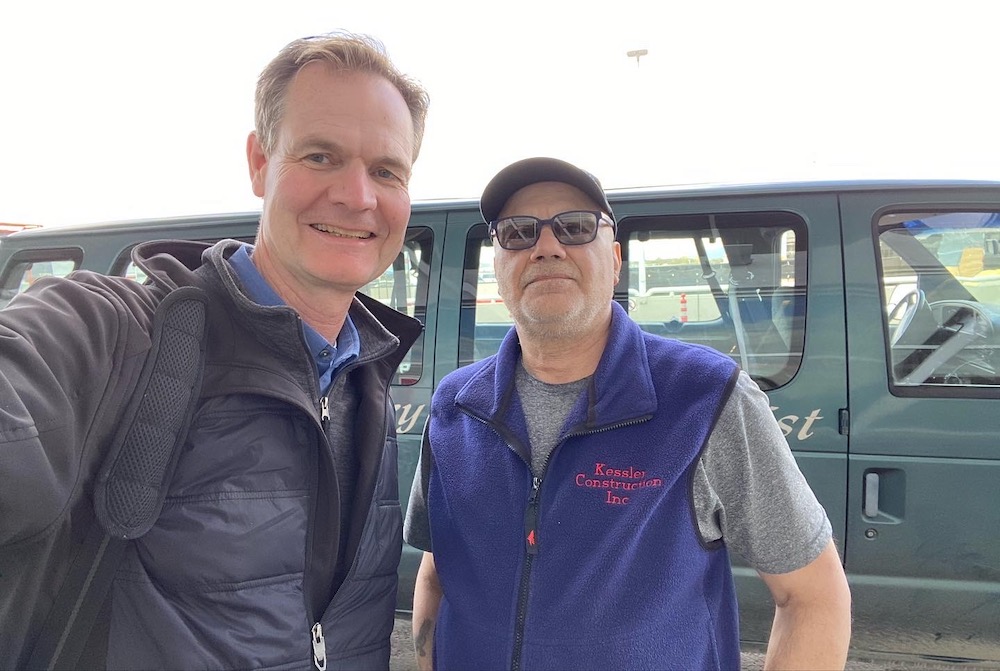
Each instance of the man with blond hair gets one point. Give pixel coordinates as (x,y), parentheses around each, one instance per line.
(282,483)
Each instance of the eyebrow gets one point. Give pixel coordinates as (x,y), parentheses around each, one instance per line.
(317,144)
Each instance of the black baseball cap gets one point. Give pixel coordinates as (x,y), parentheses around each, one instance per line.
(518,175)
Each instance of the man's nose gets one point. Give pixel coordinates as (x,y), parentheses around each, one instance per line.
(353,186)
(547,246)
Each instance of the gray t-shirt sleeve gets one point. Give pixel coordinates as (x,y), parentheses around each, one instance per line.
(416,525)
(749,492)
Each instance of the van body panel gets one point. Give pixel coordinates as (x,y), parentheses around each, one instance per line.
(808,287)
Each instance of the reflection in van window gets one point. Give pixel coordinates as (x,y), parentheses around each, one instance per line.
(734,282)
(484,319)
(940,275)
(403,287)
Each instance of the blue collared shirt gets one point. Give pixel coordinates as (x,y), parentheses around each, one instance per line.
(329,357)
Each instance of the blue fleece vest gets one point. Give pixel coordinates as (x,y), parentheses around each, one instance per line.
(599,564)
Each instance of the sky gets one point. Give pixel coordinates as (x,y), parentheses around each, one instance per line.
(120,110)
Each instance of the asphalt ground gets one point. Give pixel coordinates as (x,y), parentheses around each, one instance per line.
(404,659)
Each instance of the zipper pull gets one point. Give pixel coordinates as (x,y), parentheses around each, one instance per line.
(531,518)
(319,647)
(324,409)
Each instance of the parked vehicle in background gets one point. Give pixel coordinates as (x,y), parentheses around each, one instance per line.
(868,311)
(7,229)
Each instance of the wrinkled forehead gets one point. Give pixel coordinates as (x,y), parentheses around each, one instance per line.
(545,199)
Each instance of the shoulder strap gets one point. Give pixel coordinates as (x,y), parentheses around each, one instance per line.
(132,483)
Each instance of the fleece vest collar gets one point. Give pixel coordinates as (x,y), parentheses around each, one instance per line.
(621,389)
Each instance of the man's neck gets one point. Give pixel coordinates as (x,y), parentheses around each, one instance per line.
(327,320)
(323,308)
(557,361)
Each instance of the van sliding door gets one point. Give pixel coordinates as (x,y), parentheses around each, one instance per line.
(923,312)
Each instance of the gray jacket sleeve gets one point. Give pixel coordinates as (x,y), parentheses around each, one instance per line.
(68,351)
(417,526)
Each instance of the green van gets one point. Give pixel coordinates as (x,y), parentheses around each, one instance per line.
(868,311)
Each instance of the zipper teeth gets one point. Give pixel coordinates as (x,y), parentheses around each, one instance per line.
(324,400)
(610,427)
(574,434)
(522,597)
(522,612)
(324,450)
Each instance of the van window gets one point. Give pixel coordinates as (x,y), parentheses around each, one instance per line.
(731,281)
(404,287)
(734,282)
(484,319)
(940,276)
(27,268)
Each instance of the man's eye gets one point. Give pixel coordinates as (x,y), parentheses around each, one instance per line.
(385,173)
(317,158)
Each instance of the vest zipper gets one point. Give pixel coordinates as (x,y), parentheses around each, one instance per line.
(531,549)
(318,641)
(531,519)
(609,427)
(318,647)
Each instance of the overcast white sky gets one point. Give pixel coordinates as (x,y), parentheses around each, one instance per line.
(116,110)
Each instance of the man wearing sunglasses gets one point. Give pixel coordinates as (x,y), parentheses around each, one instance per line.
(578,492)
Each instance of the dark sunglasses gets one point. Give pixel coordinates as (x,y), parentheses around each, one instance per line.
(577,227)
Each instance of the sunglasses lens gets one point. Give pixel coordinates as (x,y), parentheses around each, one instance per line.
(517,232)
(570,228)
(575,228)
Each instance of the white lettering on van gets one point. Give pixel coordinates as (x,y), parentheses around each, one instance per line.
(407,416)
(788,423)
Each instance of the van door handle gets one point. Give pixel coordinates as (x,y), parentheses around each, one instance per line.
(871,495)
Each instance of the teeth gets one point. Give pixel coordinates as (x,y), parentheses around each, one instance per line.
(358,235)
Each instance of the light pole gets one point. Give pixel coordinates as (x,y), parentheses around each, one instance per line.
(637,54)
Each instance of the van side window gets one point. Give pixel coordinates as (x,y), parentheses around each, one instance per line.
(135,273)
(733,282)
(404,287)
(484,320)
(28,267)
(940,276)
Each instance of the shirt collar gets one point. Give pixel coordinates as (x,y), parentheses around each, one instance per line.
(348,343)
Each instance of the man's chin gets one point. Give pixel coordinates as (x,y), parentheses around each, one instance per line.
(548,324)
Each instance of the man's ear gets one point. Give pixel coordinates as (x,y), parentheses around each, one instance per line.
(257,163)
(618,260)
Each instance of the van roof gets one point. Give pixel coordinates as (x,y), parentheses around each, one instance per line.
(176,223)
